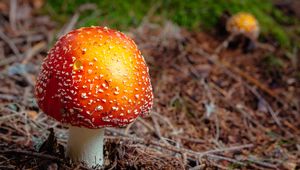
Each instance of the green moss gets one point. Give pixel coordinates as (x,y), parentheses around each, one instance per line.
(193,14)
(272,134)
(272,62)
(272,66)
(234,166)
(118,14)
(297,75)
(286,142)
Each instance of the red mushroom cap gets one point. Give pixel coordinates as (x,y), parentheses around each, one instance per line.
(94,77)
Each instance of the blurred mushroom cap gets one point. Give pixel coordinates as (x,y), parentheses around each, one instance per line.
(243,23)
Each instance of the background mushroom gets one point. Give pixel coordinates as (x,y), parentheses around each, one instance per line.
(243,23)
(243,29)
(92,78)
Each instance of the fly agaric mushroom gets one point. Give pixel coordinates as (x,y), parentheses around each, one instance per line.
(243,23)
(93,77)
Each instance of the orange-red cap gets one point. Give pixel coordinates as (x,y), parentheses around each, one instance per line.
(94,77)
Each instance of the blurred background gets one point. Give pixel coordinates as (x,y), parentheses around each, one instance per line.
(274,16)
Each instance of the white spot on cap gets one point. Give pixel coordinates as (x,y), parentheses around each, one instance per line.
(115,108)
(83,95)
(99,107)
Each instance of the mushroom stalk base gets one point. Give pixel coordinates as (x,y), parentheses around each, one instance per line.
(86,145)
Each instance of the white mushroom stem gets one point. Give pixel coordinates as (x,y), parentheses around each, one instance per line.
(86,145)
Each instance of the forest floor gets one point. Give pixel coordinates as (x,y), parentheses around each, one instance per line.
(213,109)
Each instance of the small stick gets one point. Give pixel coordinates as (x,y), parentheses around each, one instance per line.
(164,119)
(8,97)
(157,130)
(29,39)
(233,148)
(198,167)
(261,163)
(69,26)
(33,51)
(147,125)
(10,43)
(274,116)
(4,118)
(224,44)
(271,111)
(183,150)
(194,140)
(8,60)
(128,127)
(265,46)
(12,14)
(32,154)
